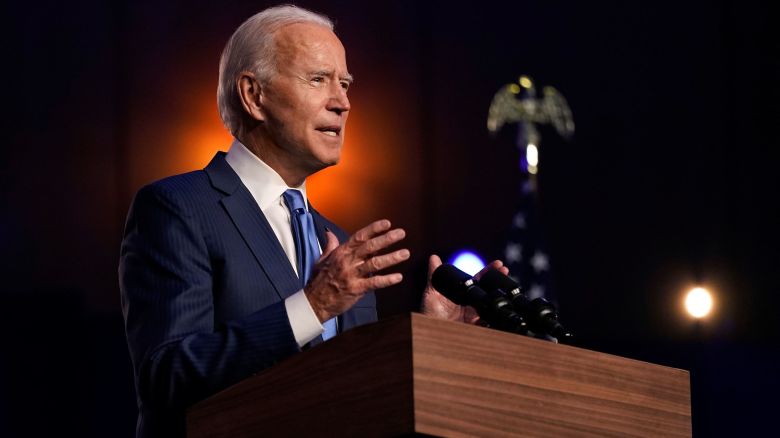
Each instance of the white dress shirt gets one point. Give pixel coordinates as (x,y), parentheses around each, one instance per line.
(267,187)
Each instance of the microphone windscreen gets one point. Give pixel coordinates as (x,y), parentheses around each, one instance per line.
(451,282)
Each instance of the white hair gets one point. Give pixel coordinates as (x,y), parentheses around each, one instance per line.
(251,48)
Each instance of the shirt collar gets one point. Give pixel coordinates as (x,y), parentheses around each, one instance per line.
(263,182)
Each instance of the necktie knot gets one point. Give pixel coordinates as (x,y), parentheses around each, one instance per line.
(294,200)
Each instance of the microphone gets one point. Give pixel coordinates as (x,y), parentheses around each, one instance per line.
(492,306)
(540,314)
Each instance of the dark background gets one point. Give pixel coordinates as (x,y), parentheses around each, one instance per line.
(670,180)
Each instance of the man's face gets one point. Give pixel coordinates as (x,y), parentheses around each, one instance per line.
(305,103)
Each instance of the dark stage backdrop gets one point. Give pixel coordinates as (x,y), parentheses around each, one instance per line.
(670,180)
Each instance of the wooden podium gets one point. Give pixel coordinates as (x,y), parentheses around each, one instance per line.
(414,375)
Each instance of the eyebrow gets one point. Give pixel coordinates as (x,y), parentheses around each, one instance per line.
(347,77)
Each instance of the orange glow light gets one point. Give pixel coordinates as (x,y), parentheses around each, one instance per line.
(174,133)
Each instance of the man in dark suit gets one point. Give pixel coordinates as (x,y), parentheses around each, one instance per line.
(214,280)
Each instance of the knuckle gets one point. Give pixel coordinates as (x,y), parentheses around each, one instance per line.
(358,237)
(353,286)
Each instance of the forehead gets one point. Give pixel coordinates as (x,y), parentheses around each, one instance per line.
(309,45)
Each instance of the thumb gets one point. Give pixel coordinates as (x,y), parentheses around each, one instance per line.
(434,262)
(333,243)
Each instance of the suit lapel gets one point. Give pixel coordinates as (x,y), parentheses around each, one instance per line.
(253,227)
(319,227)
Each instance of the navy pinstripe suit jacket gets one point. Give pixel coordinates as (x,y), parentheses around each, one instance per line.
(203,280)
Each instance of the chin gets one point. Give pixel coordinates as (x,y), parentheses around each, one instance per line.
(331,156)
(323,162)
(331,162)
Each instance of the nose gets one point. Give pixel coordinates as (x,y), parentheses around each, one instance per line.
(338,102)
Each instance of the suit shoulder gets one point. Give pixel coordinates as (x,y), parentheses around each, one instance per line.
(182,183)
(186,189)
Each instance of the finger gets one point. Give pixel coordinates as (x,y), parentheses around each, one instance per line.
(434,262)
(366,233)
(333,243)
(380,242)
(470,315)
(495,264)
(381,281)
(377,263)
(499,266)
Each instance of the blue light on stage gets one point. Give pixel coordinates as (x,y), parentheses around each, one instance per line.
(467,262)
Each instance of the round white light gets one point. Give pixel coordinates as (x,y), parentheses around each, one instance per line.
(698,302)
(532,155)
(468,262)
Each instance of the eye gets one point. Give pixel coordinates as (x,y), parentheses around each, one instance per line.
(317,80)
(345,85)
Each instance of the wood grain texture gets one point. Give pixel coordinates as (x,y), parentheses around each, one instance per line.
(357,384)
(473,381)
(416,375)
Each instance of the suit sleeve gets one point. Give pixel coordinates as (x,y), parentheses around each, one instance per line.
(178,354)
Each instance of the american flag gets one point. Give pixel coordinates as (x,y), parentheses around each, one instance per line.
(525,253)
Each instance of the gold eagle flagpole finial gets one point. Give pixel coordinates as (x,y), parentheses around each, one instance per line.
(518,103)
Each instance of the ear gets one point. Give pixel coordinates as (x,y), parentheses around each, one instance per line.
(250,93)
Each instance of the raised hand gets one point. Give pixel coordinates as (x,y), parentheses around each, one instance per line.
(345,272)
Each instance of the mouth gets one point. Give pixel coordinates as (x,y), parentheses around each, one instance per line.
(331,131)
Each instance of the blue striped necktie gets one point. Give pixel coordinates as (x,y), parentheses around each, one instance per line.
(306,247)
